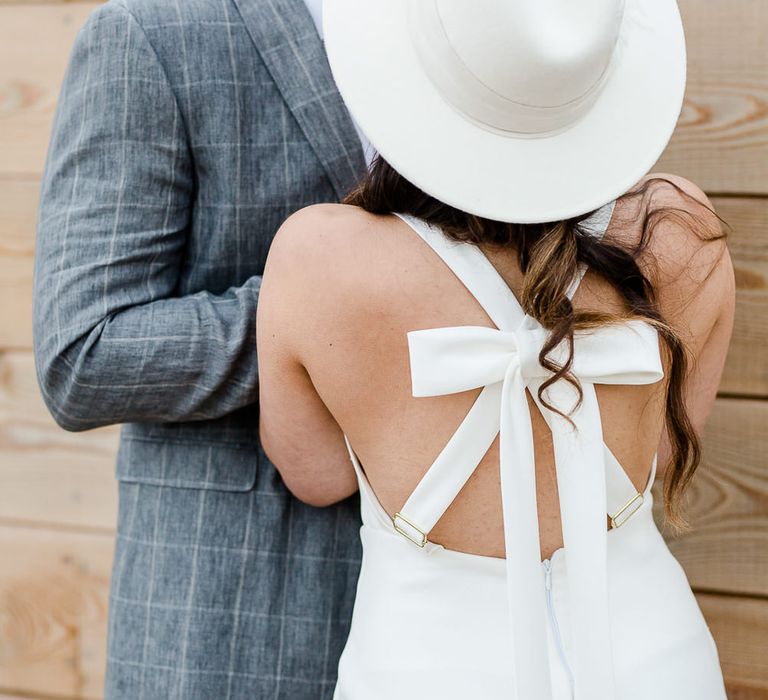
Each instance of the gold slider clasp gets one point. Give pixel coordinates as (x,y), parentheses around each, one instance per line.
(627,510)
(409,530)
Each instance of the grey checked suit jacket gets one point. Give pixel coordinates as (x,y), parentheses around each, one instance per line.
(186,132)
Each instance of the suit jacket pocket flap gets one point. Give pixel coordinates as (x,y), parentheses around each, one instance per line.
(181,464)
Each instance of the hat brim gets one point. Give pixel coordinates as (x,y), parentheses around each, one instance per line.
(494,175)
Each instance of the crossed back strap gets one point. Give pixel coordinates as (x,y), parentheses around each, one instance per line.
(459,458)
(503,361)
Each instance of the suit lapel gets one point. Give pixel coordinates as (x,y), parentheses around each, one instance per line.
(285,36)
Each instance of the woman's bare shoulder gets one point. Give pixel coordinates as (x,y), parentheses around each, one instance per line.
(670,225)
(668,185)
(328,253)
(320,226)
(685,237)
(325,238)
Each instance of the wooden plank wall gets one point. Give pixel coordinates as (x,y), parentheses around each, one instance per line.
(57,494)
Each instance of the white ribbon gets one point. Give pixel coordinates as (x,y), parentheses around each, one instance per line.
(449,360)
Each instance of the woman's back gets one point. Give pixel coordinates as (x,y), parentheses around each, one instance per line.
(357,356)
(420,351)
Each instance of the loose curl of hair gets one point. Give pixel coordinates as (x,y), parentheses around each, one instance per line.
(549,255)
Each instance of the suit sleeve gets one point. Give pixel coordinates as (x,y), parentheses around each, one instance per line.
(113,342)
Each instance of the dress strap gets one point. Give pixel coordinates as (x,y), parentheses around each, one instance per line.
(595,225)
(459,458)
(370,501)
(481,278)
(622,499)
(475,272)
(454,465)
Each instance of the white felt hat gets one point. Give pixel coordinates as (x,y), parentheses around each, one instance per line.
(514,110)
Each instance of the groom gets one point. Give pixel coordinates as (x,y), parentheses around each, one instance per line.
(186,132)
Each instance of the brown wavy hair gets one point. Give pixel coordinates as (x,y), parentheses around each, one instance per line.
(549,255)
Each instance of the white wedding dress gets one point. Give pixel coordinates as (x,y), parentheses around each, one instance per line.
(610,616)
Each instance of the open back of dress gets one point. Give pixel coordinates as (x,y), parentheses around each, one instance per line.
(435,623)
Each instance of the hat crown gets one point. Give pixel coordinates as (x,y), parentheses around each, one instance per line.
(537,53)
(437,86)
(527,66)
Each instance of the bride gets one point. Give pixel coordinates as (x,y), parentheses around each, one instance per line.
(503,336)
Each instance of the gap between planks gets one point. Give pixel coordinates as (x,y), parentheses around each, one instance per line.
(23,524)
(702,590)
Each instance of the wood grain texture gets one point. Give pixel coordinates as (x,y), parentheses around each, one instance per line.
(739,691)
(721,142)
(746,370)
(740,628)
(46,474)
(727,546)
(35,41)
(18,212)
(53,598)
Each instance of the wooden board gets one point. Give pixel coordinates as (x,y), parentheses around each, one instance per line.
(739,691)
(53,611)
(18,214)
(740,628)
(746,371)
(50,476)
(727,546)
(721,141)
(35,41)
(46,474)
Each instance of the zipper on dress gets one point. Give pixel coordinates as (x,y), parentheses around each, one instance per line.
(547,564)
